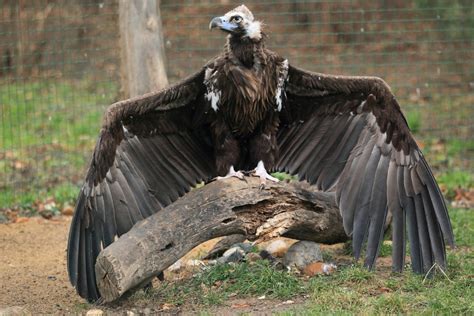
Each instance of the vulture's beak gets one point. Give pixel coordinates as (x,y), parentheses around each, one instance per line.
(222,23)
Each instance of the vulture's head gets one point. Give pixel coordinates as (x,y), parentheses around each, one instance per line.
(238,22)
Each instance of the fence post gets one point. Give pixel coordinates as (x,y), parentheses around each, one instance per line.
(142,52)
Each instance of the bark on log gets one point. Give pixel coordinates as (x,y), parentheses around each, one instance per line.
(218,209)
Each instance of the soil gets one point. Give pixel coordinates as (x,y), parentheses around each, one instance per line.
(33,276)
(33,266)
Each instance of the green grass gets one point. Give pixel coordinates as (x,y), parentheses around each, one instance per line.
(462,221)
(351,290)
(218,283)
(47,133)
(451,180)
(414,120)
(48,129)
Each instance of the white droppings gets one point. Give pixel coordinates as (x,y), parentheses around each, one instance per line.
(281,82)
(214,97)
(213,94)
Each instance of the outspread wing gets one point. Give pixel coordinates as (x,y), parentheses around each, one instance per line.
(150,151)
(348,134)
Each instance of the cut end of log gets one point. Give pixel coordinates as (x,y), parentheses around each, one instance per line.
(106,279)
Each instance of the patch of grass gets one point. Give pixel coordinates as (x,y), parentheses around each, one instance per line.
(218,283)
(351,290)
(451,180)
(462,221)
(414,120)
(385,249)
(282,176)
(47,131)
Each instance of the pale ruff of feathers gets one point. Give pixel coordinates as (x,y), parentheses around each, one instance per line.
(282,76)
(254,30)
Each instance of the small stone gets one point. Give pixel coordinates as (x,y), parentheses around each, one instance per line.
(14,311)
(131,313)
(234,254)
(46,214)
(319,268)
(95,312)
(277,248)
(245,246)
(167,306)
(301,254)
(3,218)
(224,244)
(195,263)
(175,267)
(252,257)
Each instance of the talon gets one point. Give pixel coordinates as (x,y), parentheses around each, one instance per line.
(232,173)
(261,172)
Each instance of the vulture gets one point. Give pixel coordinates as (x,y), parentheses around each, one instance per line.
(249,110)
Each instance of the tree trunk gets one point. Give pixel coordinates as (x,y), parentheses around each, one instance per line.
(142,52)
(220,208)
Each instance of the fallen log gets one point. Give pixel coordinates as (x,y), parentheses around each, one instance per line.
(220,208)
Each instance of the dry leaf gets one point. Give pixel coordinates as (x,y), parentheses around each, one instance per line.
(67,210)
(242,305)
(21,219)
(167,306)
(317,268)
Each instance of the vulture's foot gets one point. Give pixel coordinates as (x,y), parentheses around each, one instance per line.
(261,172)
(232,173)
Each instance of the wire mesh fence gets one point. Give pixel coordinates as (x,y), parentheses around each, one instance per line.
(59,69)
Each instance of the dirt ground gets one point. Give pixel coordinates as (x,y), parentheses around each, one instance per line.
(33,266)
(33,275)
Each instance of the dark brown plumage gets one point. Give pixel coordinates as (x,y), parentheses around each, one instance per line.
(246,106)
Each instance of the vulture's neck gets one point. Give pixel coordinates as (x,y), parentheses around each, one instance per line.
(245,51)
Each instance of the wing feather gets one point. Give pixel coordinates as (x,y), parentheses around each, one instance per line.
(151,150)
(348,134)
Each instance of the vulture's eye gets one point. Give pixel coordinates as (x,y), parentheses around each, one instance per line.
(236,19)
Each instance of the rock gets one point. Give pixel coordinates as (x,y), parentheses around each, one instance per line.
(274,261)
(46,214)
(175,267)
(319,268)
(252,257)
(234,254)
(301,254)
(14,311)
(224,244)
(245,246)
(95,312)
(3,218)
(277,248)
(195,263)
